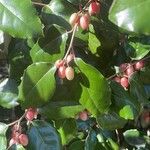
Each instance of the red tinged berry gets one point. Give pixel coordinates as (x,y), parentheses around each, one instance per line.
(59,63)
(69,58)
(139,65)
(61,72)
(94,8)
(74,18)
(130,70)
(31,113)
(12,142)
(117,79)
(84,21)
(83,115)
(123,67)
(23,139)
(124,82)
(69,73)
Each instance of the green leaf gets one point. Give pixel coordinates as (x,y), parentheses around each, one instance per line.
(77,145)
(17,147)
(137,48)
(51,47)
(43,136)
(131,15)
(126,112)
(19,20)
(94,43)
(96,93)
(134,138)
(3,140)
(8,93)
(67,129)
(113,144)
(62,8)
(137,89)
(59,110)
(111,121)
(37,85)
(91,141)
(121,99)
(144,75)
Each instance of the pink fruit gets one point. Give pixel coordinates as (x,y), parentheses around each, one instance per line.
(31,113)
(84,21)
(117,79)
(23,139)
(94,8)
(139,65)
(69,73)
(69,58)
(74,18)
(61,72)
(130,70)
(123,67)
(83,115)
(12,142)
(59,63)
(124,82)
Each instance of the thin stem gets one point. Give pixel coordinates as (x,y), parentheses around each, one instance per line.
(39,4)
(71,42)
(17,121)
(109,78)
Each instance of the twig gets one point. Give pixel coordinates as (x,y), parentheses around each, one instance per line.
(39,4)
(71,42)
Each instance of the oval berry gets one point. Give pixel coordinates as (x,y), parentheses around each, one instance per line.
(139,65)
(61,72)
(31,113)
(74,18)
(124,82)
(59,63)
(84,21)
(129,71)
(69,73)
(123,67)
(69,58)
(12,142)
(117,79)
(83,115)
(94,8)
(23,139)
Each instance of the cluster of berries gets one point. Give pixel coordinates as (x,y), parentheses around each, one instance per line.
(17,137)
(127,69)
(64,70)
(83,19)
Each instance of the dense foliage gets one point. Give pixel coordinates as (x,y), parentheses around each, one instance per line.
(78,74)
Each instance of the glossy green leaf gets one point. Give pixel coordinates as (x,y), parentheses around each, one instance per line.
(42,136)
(96,93)
(17,147)
(121,99)
(62,8)
(111,121)
(134,138)
(144,75)
(37,85)
(77,145)
(137,89)
(113,144)
(131,15)
(51,47)
(126,112)
(3,140)
(19,19)
(8,93)
(91,141)
(93,41)
(59,110)
(67,129)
